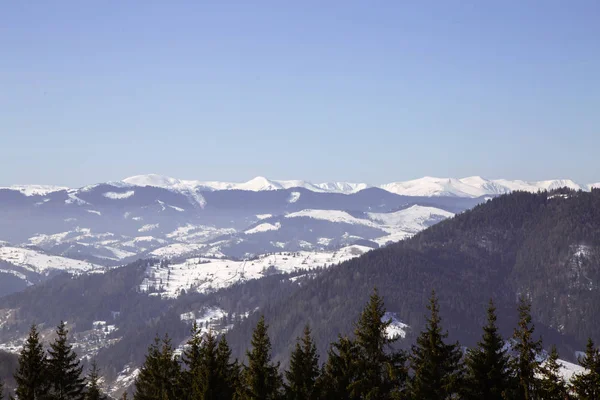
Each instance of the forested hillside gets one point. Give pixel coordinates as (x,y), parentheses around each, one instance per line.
(544,246)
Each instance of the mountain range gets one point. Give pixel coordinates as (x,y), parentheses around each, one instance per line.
(474,186)
(543,246)
(46,230)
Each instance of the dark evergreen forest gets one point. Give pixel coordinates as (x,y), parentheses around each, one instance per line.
(360,365)
(544,246)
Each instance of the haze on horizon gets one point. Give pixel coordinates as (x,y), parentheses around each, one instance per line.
(320,92)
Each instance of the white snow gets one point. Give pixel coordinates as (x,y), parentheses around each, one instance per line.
(76,235)
(259,183)
(430,186)
(104,326)
(35,190)
(198,233)
(324,241)
(294,197)
(119,254)
(94,212)
(205,274)
(263,216)
(331,215)
(42,263)
(188,188)
(397,328)
(473,186)
(392,237)
(118,196)
(398,225)
(263,228)
(206,319)
(145,240)
(413,219)
(342,187)
(73,199)
(568,370)
(148,227)
(177,250)
(124,380)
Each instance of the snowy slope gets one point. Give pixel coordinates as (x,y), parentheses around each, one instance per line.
(41,263)
(412,219)
(189,188)
(207,274)
(332,216)
(568,370)
(35,190)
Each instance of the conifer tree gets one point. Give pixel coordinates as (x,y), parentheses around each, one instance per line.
(586,385)
(93,391)
(1,390)
(160,374)
(381,371)
(436,366)
(488,375)
(553,386)
(261,379)
(304,369)
(525,364)
(228,371)
(192,359)
(340,370)
(64,369)
(31,376)
(208,375)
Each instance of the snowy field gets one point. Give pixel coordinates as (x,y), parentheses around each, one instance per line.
(207,274)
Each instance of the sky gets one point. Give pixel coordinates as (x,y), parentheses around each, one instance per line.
(364,91)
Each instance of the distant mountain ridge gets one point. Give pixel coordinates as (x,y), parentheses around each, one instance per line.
(473,186)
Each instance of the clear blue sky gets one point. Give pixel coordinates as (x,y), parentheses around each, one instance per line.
(372,91)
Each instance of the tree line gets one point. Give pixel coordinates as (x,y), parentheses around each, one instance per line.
(364,366)
(53,374)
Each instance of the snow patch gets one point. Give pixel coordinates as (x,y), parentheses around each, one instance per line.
(397,328)
(34,261)
(148,227)
(119,196)
(294,197)
(331,215)
(263,228)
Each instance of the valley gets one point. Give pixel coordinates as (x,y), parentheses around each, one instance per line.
(115,258)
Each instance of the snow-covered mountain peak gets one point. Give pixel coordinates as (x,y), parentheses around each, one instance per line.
(155,180)
(428,186)
(258,184)
(342,187)
(35,190)
(559,183)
